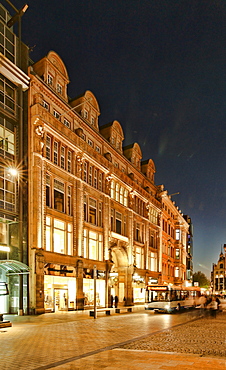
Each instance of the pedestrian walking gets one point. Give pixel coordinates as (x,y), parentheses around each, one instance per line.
(116,301)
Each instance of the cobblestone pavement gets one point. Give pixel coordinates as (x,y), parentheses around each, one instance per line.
(206,337)
(73,340)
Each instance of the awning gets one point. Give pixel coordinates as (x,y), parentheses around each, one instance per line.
(12,267)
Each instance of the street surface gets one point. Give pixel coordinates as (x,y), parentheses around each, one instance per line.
(73,340)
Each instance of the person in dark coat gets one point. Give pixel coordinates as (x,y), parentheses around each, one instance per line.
(112,299)
(116,301)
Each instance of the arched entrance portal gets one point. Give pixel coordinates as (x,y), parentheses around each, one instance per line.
(120,283)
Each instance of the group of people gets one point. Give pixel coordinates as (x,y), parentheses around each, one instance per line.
(209,305)
(114,300)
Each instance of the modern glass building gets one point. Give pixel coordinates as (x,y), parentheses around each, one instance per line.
(14,83)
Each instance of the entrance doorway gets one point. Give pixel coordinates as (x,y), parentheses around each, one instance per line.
(60,300)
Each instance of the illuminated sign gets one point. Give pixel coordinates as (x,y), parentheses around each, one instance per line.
(159,288)
(3,248)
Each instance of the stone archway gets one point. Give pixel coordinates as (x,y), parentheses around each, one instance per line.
(120,282)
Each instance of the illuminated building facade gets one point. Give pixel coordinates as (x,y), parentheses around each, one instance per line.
(174,233)
(218,274)
(14,83)
(93,204)
(189,251)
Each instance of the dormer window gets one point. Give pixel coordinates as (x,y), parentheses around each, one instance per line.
(67,123)
(92,121)
(59,89)
(56,114)
(50,80)
(45,105)
(85,114)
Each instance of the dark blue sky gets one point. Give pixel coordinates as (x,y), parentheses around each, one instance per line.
(158,67)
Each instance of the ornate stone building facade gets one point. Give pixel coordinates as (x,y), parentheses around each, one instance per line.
(93,204)
(218,274)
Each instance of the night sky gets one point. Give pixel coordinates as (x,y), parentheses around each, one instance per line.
(158,67)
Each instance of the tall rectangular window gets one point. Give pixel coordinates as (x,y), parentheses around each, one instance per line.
(50,80)
(59,236)
(58,195)
(90,175)
(7,94)
(69,157)
(118,222)
(69,200)
(70,239)
(85,171)
(48,191)
(177,234)
(55,152)
(7,138)
(95,179)
(48,234)
(48,147)
(62,157)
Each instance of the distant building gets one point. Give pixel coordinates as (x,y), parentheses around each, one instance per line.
(93,204)
(218,274)
(14,83)
(174,234)
(189,251)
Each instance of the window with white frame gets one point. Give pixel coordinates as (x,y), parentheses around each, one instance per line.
(153,215)
(7,94)
(85,114)
(58,195)
(45,105)
(50,80)
(69,200)
(153,261)
(55,152)
(90,142)
(62,157)
(95,179)
(85,177)
(67,123)
(119,193)
(7,190)
(59,236)
(48,191)
(92,121)
(48,147)
(92,211)
(90,175)
(100,185)
(59,89)
(118,224)
(177,272)
(7,138)
(177,234)
(56,114)
(97,148)
(93,245)
(7,42)
(139,257)
(177,253)
(69,157)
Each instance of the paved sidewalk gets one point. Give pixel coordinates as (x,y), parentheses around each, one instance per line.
(73,340)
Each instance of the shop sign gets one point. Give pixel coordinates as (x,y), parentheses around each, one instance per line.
(153,281)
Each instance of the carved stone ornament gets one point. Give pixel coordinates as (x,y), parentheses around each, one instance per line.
(39,131)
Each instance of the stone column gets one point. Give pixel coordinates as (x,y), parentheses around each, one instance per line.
(40,260)
(79,286)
